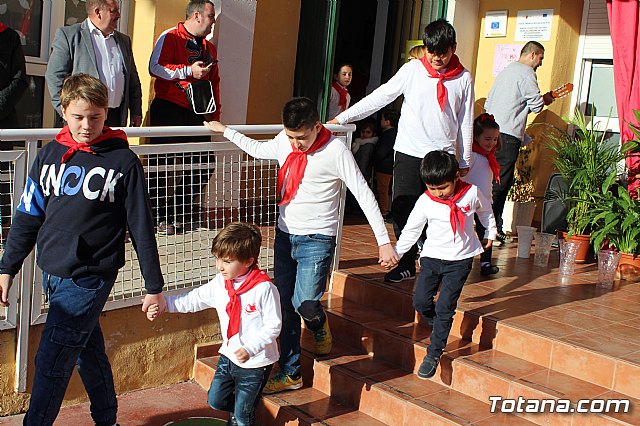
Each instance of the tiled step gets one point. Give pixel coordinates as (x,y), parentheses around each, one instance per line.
(493,373)
(305,407)
(397,397)
(553,330)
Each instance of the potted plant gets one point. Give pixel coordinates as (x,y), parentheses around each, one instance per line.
(585,159)
(614,217)
(520,205)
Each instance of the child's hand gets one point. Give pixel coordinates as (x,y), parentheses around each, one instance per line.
(333,121)
(242,355)
(156,300)
(464,172)
(387,256)
(215,126)
(487,244)
(152,312)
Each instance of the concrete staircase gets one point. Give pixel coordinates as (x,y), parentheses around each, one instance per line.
(368,379)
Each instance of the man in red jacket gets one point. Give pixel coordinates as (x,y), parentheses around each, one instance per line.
(181,55)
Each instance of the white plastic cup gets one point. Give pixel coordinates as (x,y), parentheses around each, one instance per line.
(525,238)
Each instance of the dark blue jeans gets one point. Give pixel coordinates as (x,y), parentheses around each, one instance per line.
(449,276)
(71,336)
(237,390)
(301,266)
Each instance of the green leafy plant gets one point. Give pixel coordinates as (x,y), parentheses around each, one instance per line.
(585,160)
(614,218)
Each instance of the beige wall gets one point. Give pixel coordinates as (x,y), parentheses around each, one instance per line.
(557,69)
(273,60)
(142,354)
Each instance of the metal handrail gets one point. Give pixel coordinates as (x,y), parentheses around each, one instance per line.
(46,134)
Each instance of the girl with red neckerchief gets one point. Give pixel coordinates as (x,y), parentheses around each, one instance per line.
(483,172)
(340,98)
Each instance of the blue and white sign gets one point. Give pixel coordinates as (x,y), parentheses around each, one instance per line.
(495,23)
(534,25)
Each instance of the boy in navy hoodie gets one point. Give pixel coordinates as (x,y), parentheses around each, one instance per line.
(82,192)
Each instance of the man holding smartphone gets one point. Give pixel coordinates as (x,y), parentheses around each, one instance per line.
(181,55)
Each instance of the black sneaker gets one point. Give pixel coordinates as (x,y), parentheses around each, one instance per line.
(503,238)
(232,421)
(489,270)
(399,273)
(428,367)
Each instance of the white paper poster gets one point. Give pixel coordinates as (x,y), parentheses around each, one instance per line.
(534,25)
(495,23)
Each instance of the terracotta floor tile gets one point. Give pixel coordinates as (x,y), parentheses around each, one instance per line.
(354,418)
(314,403)
(505,420)
(601,342)
(461,407)
(590,366)
(542,325)
(631,417)
(561,385)
(503,364)
(404,385)
(602,311)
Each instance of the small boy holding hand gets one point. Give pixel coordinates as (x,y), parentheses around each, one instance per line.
(448,207)
(248,307)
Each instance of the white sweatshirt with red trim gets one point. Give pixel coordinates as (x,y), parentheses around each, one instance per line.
(260,321)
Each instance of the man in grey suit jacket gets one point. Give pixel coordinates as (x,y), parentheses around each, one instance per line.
(94,47)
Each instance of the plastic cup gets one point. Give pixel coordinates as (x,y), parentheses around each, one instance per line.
(525,237)
(568,251)
(543,248)
(607,265)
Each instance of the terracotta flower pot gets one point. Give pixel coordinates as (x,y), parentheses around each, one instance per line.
(629,268)
(585,252)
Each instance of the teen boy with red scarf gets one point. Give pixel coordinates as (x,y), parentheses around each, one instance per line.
(83,191)
(447,207)
(313,165)
(436,114)
(248,307)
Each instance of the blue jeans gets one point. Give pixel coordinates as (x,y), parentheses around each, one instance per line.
(237,390)
(449,276)
(302,265)
(71,336)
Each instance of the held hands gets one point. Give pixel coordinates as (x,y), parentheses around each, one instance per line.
(155,303)
(152,312)
(199,70)
(215,126)
(388,257)
(136,121)
(5,284)
(242,355)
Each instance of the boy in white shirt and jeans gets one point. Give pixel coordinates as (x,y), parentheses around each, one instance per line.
(313,165)
(447,206)
(248,307)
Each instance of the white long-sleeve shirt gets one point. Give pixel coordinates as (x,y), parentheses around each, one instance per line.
(480,174)
(260,320)
(423,127)
(314,208)
(440,242)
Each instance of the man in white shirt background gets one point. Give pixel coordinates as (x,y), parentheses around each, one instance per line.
(94,47)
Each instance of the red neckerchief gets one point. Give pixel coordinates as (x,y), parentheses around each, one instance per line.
(453,69)
(64,138)
(234,308)
(343,92)
(455,211)
(2,27)
(491,157)
(295,164)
